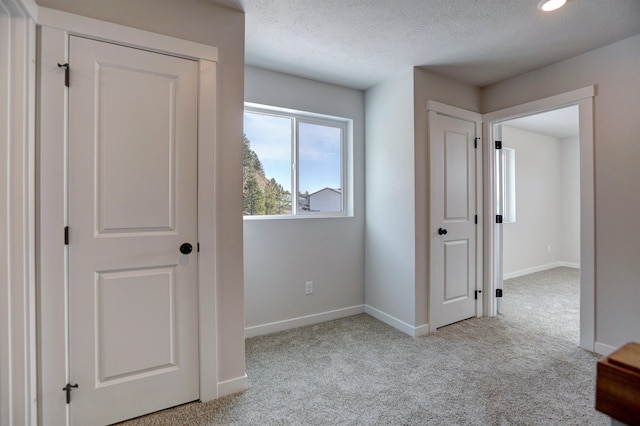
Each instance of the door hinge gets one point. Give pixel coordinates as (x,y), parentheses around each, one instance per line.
(498,292)
(475,220)
(498,144)
(68,388)
(66,235)
(65,66)
(498,218)
(476,294)
(475,142)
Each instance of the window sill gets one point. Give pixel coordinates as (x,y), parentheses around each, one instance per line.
(297,217)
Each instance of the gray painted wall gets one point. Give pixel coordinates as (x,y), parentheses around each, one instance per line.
(280,255)
(615,69)
(390,190)
(547,202)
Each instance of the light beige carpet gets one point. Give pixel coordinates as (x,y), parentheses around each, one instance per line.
(521,368)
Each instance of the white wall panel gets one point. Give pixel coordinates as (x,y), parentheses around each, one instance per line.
(390,175)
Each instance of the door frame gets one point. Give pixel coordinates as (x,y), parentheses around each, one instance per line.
(476,118)
(18,388)
(584,99)
(53,34)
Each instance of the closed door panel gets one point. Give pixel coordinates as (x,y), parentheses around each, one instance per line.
(453,228)
(456,175)
(147,334)
(133,319)
(136,149)
(456,271)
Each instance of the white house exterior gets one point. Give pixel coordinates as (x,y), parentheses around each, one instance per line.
(326,200)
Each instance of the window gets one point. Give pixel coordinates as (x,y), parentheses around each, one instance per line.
(508,159)
(293,163)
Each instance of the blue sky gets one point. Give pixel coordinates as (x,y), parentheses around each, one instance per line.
(319,146)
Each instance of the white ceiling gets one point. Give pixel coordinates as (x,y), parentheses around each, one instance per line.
(360,43)
(559,123)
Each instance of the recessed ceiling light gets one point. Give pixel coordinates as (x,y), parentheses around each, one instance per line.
(549,5)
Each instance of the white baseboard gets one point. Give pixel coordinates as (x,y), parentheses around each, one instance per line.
(421,330)
(229,387)
(273,327)
(604,350)
(394,322)
(569,265)
(540,268)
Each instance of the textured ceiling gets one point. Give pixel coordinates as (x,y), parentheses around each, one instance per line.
(559,123)
(360,43)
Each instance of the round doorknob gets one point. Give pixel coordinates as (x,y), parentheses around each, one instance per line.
(186,248)
(442,231)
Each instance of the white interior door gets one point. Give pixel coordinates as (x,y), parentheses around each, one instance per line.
(453,216)
(133,318)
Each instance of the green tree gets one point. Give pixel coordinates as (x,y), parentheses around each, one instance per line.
(252,194)
(271,198)
(252,197)
(276,201)
(250,161)
(260,195)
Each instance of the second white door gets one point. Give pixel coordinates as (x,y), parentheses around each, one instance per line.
(453,219)
(133,318)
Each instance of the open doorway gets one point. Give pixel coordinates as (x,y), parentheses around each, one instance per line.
(541,155)
(583,99)
(538,192)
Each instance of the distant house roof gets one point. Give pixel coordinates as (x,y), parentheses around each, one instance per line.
(336,190)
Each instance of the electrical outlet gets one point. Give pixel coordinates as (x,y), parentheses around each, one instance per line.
(308,286)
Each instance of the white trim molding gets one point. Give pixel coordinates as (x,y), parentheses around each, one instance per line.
(273,327)
(207,255)
(229,387)
(603,349)
(18,387)
(540,105)
(394,322)
(125,36)
(452,111)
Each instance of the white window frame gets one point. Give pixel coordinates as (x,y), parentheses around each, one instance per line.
(344,124)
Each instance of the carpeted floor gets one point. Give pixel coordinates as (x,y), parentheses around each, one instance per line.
(521,368)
